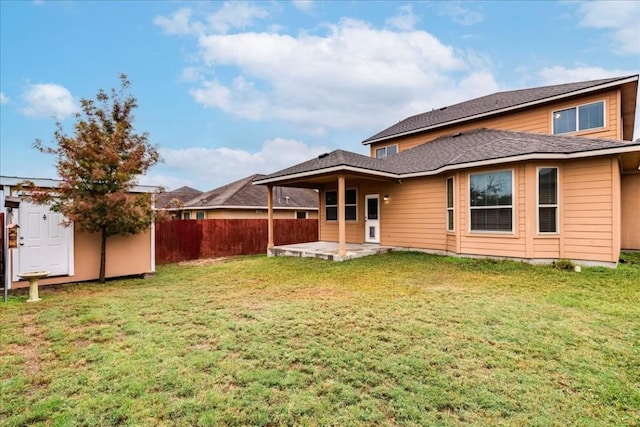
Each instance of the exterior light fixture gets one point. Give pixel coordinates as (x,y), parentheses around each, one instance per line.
(385,198)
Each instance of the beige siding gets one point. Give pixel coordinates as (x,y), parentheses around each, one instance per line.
(630,238)
(126,256)
(590,228)
(416,215)
(536,120)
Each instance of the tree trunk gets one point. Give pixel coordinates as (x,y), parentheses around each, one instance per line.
(103,255)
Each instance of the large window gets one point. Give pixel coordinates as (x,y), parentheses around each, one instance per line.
(386,151)
(491,201)
(450,205)
(350,205)
(582,117)
(547,200)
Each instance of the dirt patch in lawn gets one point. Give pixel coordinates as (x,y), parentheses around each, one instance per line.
(204,261)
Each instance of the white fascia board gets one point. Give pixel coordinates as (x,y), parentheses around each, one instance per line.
(53,183)
(333,169)
(504,110)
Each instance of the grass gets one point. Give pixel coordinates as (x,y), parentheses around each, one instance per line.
(396,339)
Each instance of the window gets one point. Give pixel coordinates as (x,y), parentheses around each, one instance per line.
(450,205)
(301,214)
(386,151)
(200,215)
(547,200)
(350,208)
(491,201)
(582,117)
(186,215)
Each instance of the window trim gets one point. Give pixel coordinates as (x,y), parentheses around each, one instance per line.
(577,108)
(385,151)
(451,227)
(345,205)
(512,206)
(556,205)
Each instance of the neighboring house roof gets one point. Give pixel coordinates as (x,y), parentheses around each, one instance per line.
(183,194)
(469,149)
(242,194)
(493,104)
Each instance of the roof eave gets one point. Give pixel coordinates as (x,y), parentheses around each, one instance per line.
(524,157)
(505,110)
(333,169)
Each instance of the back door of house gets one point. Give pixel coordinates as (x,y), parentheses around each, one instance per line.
(372,218)
(44,240)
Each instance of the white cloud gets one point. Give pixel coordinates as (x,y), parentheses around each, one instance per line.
(621,17)
(304,5)
(351,76)
(404,20)
(169,183)
(217,166)
(460,14)
(560,75)
(232,15)
(4,99)
(45,100)
(178,23)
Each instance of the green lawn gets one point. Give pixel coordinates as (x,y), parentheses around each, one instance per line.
(396,339)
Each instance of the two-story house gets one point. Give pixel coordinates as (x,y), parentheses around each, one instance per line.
(535,174)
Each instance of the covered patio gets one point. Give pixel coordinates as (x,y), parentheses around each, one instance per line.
(329,250)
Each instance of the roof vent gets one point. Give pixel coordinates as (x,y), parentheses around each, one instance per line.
(322,156)
(443,108)
(455,135)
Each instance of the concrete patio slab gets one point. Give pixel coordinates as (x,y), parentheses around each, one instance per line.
(328,250)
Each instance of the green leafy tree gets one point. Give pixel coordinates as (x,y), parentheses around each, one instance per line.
(99,165)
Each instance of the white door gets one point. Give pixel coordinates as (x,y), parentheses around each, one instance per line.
(44,240)
(372,218)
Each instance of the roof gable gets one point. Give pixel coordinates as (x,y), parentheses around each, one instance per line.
(493,104)
(243,194)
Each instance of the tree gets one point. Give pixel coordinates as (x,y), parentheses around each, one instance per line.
(99,165)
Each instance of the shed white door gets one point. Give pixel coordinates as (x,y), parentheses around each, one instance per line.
(372,218)
(44,240)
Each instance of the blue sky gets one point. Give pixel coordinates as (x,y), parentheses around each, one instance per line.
(228,89)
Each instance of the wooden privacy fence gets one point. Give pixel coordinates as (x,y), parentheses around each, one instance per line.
(183,240)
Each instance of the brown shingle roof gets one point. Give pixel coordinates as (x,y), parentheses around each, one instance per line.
(457,151)
(490,105)
(243,194)
(182,194)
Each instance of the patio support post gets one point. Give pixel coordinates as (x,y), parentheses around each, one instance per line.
(342,227)
(270,215)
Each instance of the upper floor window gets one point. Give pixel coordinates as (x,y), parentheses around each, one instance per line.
(386,151)
(547,200)
(582,117)
(491,201)
(350,205)
(301,214)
